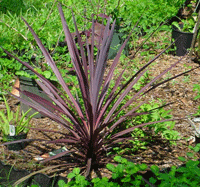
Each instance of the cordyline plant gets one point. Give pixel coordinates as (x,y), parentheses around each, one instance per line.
(91,126)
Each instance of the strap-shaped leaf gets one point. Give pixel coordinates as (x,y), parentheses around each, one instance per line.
(101,64)
(55,69)
(138,126)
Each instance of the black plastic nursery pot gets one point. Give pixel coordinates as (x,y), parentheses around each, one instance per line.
(183,40)
(9,175)
(30,85)
(117,42)
(17,146)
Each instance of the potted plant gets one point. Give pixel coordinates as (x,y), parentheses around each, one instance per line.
(14,126)
(182,33)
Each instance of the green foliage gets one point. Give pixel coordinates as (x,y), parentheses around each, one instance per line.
(188,175)
(77,180)
(153,12)
(126,173)
(20,123)
(188,24)
(165,129)
(13,6)
(157,113)
(15,37)
(142,81)
(196,148)
(8,67)
(196,87)
(104,182)
(191,154)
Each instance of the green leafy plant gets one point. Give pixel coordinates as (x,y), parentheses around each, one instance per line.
(91,115)
(153,12)
(191,155)
(186,25)
(184,175)
(196,87)
(158,113)
(126,173)
(140,137)
(13,123)
(76,179)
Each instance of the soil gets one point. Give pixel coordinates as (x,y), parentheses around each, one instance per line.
(179,92)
